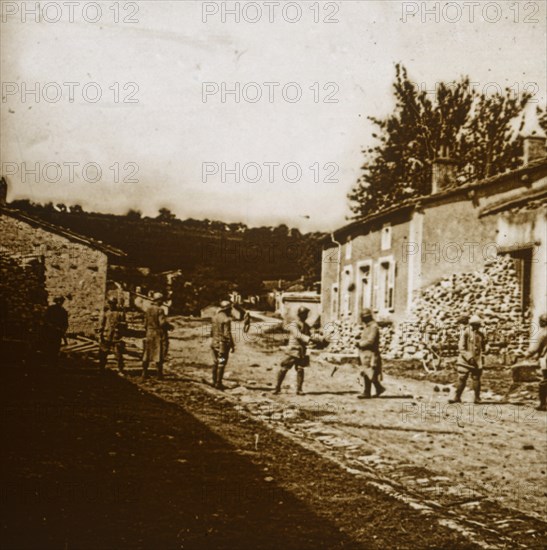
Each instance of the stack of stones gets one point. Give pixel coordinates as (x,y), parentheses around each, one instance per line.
(346,333)
(23,297)
(493,294)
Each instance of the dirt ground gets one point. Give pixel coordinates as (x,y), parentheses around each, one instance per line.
(118,462)
(92,461)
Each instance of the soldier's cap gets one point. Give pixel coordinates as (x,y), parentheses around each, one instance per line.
(463,318)
(475,320)
(543,319)
(302,310)
(225,304)
(59,300)
(366,312)
(157,296)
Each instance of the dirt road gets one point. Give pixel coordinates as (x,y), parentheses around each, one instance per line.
(476,461)
(94,462)
(111,462)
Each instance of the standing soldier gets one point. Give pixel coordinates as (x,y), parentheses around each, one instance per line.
(55,327)
(369,355)
(470,360)
(222,341)
(155,345)
(539,349)
(299,338)
(111,333)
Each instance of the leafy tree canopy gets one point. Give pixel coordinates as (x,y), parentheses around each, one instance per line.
(479,131)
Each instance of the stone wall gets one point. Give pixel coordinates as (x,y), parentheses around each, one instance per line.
(492,292)
(73,270)
(23,298)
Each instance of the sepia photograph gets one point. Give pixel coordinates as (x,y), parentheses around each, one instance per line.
(273,275)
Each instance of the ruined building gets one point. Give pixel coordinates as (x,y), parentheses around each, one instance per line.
(474,248)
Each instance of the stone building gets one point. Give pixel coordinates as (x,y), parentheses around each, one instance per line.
(63,263)
(478,247)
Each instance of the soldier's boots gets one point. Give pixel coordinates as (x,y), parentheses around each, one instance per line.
(220,375)
(160,371)
(379,388)
(103,357)
(366,392)
(299,381)
(542,396)
(459,391)
(145,370)
(477,390)
(280,377)
(215,375)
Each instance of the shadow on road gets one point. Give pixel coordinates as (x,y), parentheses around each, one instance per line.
(90,461)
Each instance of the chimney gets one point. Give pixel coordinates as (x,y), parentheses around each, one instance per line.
(3,191)
(534,138)
(444,172)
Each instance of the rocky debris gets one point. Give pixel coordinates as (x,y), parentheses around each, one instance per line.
(525,372)
(432,328)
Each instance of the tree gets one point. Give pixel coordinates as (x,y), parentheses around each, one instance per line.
(133,214)
(165,215)
(475,130)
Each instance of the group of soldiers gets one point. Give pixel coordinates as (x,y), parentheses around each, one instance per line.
(470,362)
(156,338)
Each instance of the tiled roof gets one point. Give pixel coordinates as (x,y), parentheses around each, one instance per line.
(62,231)
(443,195)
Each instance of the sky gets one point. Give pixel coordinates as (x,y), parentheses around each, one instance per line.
(161,133)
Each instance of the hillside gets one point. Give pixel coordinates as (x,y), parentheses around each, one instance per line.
(164,243)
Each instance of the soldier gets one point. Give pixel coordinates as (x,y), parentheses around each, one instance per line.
(222,341)
(369,355)
(470,360)
(55,327)
(299,338)
(110,334)
(539,349)
(155,343)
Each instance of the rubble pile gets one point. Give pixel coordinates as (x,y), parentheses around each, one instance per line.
(23,297)
(346,333)
(493,293)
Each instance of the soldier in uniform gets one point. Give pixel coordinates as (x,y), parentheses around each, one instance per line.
(539,349)
(470,360)
(110,334)
(299,339)
(369,355)
(222,341)
(155,343)
(55,327)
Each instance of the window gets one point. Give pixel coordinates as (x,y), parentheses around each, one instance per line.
(348,249)
(386,236)
(347,288)
(384,285)
(364,285)
(334,301)
(522,259)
